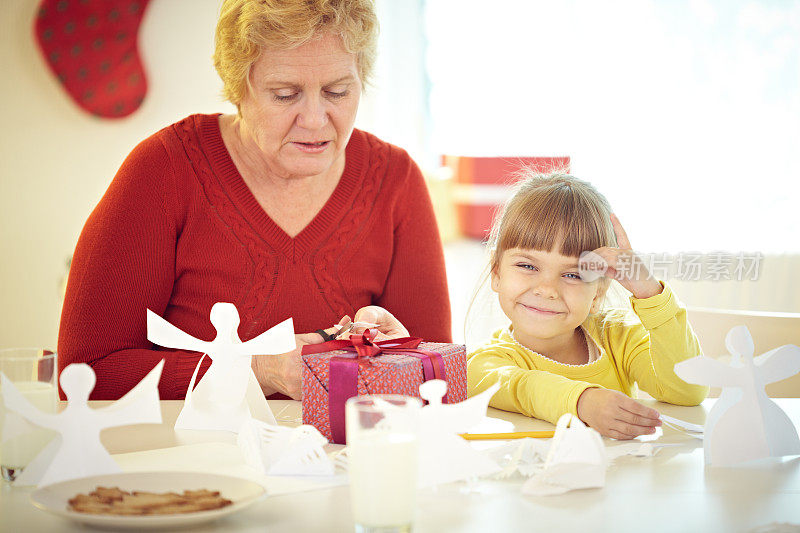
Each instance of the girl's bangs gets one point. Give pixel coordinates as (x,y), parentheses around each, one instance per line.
(553,220)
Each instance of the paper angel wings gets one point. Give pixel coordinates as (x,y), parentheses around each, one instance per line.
(444,455)
(77,451)
(229,393)
(744,423)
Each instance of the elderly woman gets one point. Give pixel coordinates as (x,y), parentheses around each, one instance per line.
(283,209)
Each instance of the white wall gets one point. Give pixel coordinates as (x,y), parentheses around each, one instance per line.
(56,161)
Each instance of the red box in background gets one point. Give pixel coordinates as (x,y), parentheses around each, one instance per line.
(483,184)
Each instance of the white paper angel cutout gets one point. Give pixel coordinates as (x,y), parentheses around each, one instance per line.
(576,460)
(229,393)
(744,423)
(77,451)
(454,417)
(284,451)
(444,455)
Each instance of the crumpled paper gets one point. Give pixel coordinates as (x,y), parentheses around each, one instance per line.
(527,456)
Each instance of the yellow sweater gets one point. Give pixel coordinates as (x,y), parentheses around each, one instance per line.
(639,348)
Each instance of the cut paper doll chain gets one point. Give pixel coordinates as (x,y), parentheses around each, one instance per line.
(293,451)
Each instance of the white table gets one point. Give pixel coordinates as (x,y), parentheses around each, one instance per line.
(669,492)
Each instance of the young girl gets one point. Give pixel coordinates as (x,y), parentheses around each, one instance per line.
(562,353)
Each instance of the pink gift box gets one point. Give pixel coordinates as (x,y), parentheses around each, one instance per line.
(389,372)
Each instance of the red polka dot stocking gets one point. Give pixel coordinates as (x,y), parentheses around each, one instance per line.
(91,46)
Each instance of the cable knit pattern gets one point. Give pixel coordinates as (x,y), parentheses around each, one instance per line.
(265,266)
(179,230)
(350,229)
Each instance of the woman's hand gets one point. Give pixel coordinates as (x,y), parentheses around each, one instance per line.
(623,265)
(283,372)
(615,415)
(388,326)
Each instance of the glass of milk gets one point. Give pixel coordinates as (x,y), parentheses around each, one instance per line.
(382,450)
(34,373)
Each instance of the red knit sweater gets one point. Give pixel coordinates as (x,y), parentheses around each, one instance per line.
(178,230)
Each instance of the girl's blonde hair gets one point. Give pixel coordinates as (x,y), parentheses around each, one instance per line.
(549,210)
(247,27)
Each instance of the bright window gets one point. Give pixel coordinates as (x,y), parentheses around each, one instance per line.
(685,114)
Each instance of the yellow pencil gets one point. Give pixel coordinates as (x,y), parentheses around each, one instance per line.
(515,435)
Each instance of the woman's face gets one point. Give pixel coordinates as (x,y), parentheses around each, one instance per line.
(301,106)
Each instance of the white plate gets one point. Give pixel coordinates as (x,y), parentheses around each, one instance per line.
(242,492)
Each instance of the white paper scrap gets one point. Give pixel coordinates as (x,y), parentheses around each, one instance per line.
(525,456)
(687,426)
(344,331)
(693,430)
(637,449)
(77,451)
(229,393)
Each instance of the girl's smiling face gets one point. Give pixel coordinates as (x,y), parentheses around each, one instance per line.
(543,295)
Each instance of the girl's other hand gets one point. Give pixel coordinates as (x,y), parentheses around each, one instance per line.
(388,326)
(626,267)
(615,415)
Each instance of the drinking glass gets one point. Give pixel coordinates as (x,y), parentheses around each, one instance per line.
(33,373)
(382,450)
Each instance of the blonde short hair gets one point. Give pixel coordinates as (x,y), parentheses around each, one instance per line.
(552,209)
(246,27)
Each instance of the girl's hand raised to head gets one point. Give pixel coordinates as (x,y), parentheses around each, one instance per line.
(623,265)
(615,415)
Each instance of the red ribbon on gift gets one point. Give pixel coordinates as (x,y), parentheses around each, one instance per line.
(343,371)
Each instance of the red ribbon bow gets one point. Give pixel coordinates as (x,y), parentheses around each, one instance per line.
(343,372)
